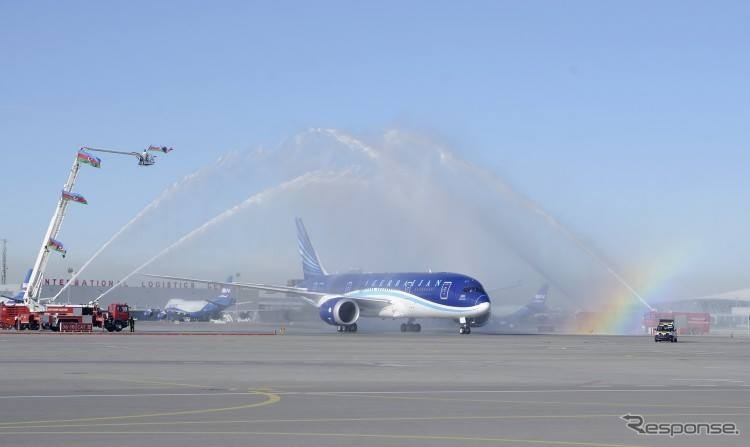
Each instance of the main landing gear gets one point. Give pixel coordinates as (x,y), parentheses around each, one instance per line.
(410,326)
(464,328)
(347,327)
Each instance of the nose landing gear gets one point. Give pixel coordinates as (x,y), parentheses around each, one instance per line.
(464,328)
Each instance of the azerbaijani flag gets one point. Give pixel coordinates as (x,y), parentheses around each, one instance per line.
(57,246)
(164,149)
(73,197)
(89,159)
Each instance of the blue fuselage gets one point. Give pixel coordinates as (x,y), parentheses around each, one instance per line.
(439,294)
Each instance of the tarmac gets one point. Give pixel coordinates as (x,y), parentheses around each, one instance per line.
(171,385)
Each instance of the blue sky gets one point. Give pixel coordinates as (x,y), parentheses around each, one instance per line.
(628,121)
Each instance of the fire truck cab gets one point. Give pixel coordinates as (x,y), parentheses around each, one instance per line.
(665,331)
(116,317)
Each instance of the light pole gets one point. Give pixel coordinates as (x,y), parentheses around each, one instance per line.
(71,272)
(4,266)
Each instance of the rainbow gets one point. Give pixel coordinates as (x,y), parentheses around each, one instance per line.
(622,311)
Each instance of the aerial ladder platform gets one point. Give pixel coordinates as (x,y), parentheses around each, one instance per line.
(34,287)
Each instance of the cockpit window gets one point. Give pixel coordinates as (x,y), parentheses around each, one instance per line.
(472,289)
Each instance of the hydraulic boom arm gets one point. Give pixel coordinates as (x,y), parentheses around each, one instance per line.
(31,295)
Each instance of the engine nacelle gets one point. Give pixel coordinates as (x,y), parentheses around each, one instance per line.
(339,311)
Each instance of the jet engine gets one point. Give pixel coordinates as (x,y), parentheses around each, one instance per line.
(339,311)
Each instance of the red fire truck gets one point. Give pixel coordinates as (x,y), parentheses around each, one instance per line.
(686,323)
(18,317)
(65,317)
(116,317)
(69,318)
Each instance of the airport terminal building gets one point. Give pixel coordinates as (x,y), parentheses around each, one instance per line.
(729,310)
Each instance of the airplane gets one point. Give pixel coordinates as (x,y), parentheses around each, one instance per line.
(200,310)
(533,313)
(18,297)
(341,299)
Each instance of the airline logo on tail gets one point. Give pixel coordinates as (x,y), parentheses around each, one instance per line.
(227,291)
(311,265)
(26,281)
(541,295)
(225,298)
(18,297)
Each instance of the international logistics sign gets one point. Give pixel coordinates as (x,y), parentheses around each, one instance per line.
(144,284)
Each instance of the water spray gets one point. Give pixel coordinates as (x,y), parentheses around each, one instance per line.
(167,193)
(296,183)
(555,224)
(447,159)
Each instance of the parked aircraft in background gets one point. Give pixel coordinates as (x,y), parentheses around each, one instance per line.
(533,315)
(201,310)
(18,297)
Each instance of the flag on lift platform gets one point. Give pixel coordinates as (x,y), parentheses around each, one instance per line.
(89,159)
(164,149)
(57,246)
(73,197)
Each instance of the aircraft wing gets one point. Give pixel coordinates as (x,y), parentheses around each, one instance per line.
(310,296)
(14,299)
